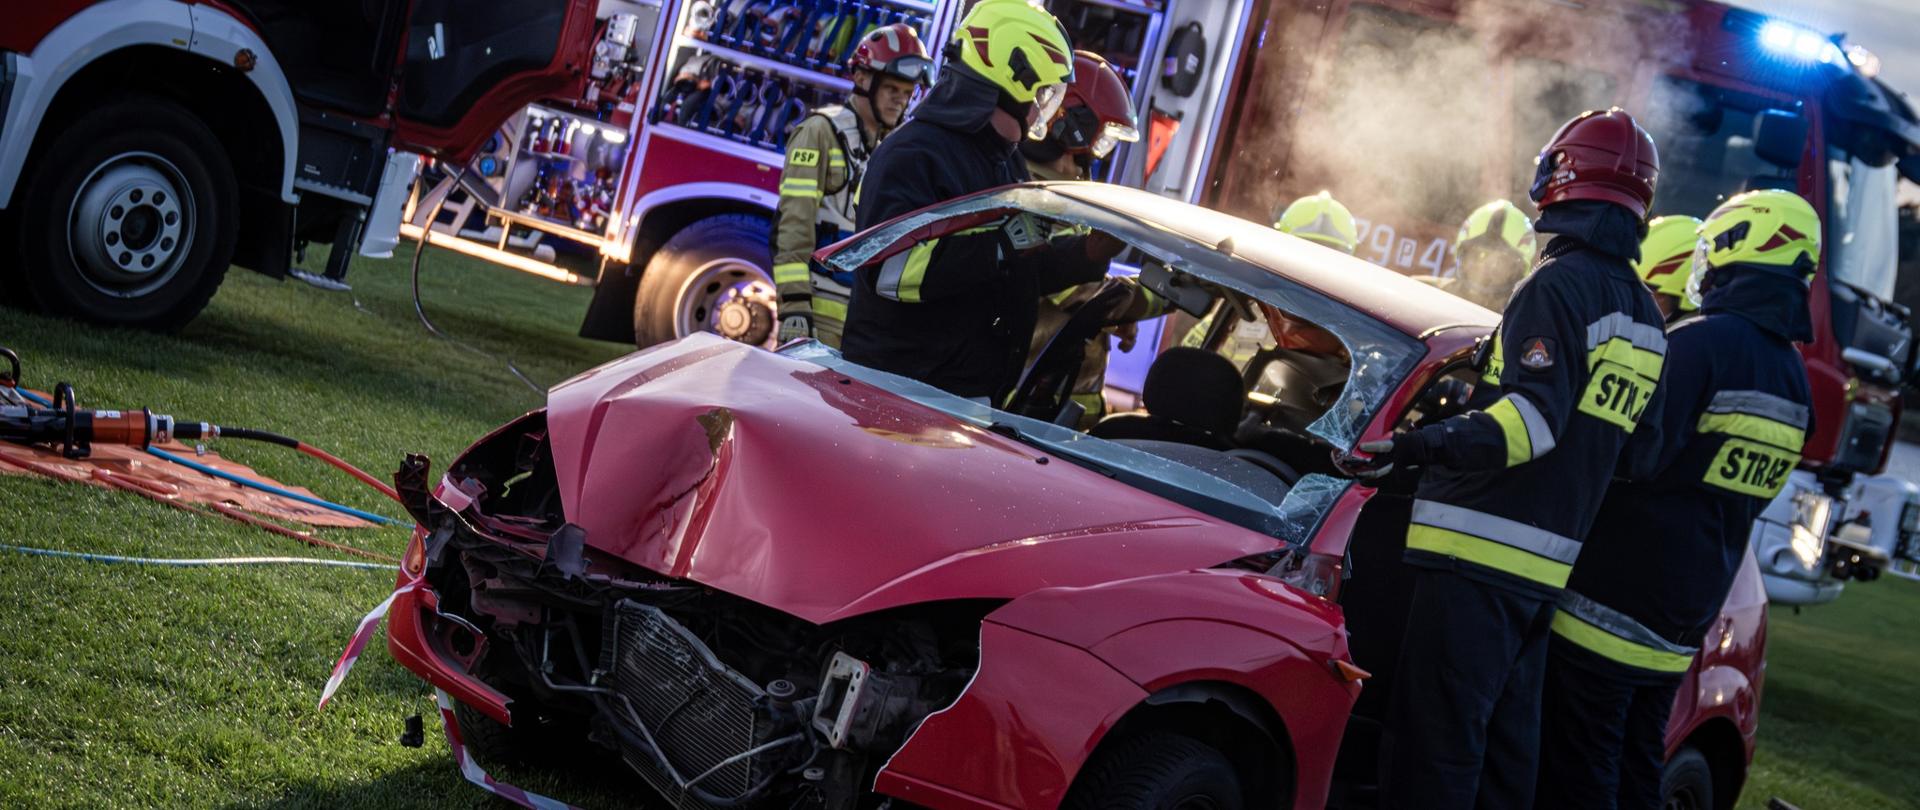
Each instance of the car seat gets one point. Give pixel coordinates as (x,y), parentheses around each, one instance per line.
(1192,396)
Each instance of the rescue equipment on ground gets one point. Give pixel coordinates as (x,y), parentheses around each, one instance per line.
(120,449)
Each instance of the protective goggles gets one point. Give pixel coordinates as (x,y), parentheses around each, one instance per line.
(911,68)
(1046,102)
(1112,135)
(1080,130)
(1699,271)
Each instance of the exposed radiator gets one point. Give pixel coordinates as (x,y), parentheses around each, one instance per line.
(699,711)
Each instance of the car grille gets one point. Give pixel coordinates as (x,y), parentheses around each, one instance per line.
(698,710)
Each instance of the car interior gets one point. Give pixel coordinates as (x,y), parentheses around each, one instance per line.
(1235,402)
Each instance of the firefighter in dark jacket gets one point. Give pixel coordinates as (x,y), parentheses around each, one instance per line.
(956,312)
(1716,448)
(1509,489)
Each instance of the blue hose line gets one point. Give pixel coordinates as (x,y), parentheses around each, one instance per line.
(246,482)
(203,563)
(250,483)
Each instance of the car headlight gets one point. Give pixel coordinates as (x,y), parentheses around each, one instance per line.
(1812,516)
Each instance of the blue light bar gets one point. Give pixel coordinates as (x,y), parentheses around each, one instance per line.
(1803,44)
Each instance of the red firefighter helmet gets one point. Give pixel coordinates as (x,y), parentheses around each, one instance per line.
(1098,111)
(1599,155)
(893,50)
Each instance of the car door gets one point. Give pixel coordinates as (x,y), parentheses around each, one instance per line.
(469,64)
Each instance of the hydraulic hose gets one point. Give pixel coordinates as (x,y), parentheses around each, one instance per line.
(273,490)
(420,309)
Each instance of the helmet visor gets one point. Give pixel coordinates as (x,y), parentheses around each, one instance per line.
(1111,136)
(1700,250)
(918,70)
(1046,102)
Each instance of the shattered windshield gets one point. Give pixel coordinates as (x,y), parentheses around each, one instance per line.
(1308,503)
(1381,356)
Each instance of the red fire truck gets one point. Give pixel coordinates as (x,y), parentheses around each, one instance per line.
(659,185)
(146,145)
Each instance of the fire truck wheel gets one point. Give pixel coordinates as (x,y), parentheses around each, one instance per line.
(712,276)
(131,220)
(1687,783)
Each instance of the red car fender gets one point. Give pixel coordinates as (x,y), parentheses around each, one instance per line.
(1151,634)
(410,641)
(1018,733)
(1726,679)
(1310,699)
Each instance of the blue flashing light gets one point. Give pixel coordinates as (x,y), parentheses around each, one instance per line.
(1800,43)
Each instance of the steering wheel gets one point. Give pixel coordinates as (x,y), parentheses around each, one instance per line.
(1046,386)
(1268,462)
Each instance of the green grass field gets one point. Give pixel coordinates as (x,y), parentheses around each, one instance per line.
(127,686)
(1840,716)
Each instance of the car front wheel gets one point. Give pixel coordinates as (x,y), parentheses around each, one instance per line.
(1687,783)
(1159,771)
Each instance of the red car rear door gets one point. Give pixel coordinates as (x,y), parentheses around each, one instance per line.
(470,64)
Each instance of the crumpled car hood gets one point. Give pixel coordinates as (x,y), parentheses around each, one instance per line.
(796,487)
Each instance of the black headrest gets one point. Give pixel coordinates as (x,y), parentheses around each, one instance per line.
(1197,388)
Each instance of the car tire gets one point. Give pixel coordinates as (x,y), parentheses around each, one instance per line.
(1687,782)
(127,218)
(1159,771)
(715,275)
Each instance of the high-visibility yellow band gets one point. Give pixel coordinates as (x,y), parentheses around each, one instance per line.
(1485,552)
(831,308)
(1576,630)
(1156,305)
(791,273)
(1751,468)
(1496,362)
(1620,350)
(916,271)
(1519,447)
(902,274)
(1755,428)
(1617,394)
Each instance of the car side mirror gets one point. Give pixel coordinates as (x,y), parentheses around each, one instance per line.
(1780,137)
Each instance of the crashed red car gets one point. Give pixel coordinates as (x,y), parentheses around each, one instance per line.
(781,579)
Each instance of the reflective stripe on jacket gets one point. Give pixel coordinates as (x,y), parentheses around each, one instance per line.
(1617,637)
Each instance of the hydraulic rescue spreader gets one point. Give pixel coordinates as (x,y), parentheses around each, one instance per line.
(28,418)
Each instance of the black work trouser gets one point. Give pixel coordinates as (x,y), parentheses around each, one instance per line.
(1602,732)
(1464,721)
